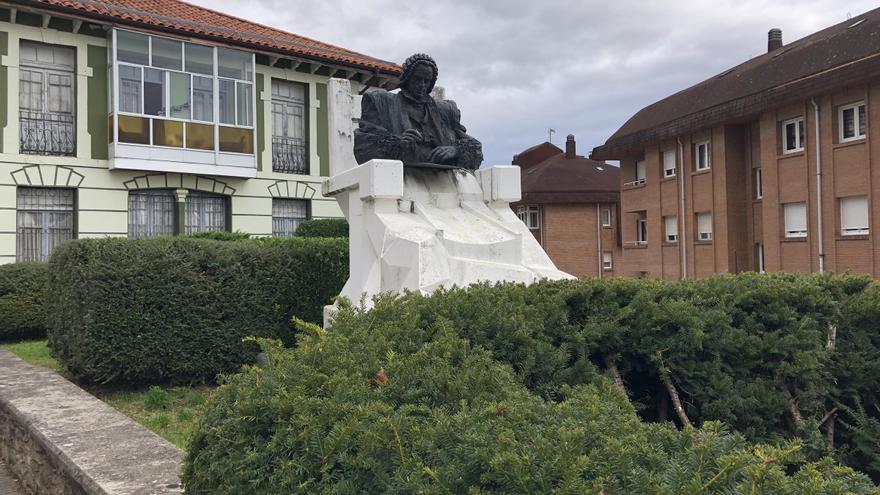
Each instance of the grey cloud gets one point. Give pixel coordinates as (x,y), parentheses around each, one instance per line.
(584,67)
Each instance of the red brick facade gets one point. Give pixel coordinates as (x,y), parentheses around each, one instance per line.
(577,204)
(742,220)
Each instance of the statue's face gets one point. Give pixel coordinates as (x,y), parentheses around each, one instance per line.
(420,80)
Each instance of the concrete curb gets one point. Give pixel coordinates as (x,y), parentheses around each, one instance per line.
(57,438)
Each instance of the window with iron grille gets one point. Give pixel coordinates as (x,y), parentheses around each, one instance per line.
(204,212)
(47,123)
(44,219)
(151,213)
(289,127)
(287,215)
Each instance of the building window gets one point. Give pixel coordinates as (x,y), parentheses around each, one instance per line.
(289,127)
(204,212)
(166,94)
(701,156)
(530,215)
(642,229)
(151,213)
(640,172)
(44,219)
(795,215)
(851,121)
(793,135)
(704,226)
(854,215)
(606,217)
(606,260)
(669,163)
(759,257)
(46,99)
(670,224)
(287,215)
(759,183)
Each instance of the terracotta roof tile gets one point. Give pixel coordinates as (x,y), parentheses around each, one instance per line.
(203,22)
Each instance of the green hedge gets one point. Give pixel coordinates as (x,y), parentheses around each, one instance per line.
(141,311)
(324,227)
(22,295)
(221,235)
(506,389)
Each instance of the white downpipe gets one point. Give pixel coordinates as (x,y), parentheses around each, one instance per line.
(682,236)
(819,188)
(599,265)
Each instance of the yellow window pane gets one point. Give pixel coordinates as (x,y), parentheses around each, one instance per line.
(133,129)
(237,140)
(200,136)
(168,133)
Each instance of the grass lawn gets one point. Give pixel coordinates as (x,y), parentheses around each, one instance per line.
(171,412)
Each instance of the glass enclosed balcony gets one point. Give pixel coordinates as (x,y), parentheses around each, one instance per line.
(181,107)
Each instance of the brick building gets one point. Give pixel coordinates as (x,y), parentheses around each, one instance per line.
(770,165)
(570,204)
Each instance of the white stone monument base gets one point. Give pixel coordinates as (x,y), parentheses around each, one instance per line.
(421,228)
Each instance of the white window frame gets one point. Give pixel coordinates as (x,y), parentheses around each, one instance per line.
(857,123)
(760,255)
(703,234)
(607,260)
(851,227)
(606,217)
(759,183)
(705,153)
(667,170)
(113,69)
(794,231)
(798,135)
(525,212)
(639,178)
(642,230)
(673,236)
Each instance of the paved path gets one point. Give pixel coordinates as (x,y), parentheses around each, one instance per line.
(8,484)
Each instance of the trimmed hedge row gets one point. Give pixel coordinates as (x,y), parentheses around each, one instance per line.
(323,227)
(22,295)
(142,311)
(506,389)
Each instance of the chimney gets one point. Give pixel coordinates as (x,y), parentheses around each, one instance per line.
(570,147)
(774,40)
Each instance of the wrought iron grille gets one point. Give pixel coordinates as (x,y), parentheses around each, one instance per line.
(289,155)
(47,133)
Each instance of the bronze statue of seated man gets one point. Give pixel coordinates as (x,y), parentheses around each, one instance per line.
(412,126)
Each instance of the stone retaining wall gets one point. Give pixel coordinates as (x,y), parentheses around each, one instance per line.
(58,439)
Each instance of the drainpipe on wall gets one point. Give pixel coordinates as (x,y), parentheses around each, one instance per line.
(599,266)
(682,237)
(819,188)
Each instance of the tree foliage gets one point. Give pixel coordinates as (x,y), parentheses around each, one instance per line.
(507,388)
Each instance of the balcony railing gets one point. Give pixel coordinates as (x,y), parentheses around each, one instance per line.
(289,155)
(45,133)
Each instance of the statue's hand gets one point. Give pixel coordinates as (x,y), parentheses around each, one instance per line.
(411,136)
(443,154)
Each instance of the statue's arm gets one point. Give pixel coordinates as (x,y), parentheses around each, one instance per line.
(372,139)
(469,151)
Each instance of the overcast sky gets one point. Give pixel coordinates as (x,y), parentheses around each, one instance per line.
(519,67)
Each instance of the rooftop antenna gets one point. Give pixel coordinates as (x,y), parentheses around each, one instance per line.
(550,132)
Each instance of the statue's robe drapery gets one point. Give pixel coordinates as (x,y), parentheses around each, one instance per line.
(385,116)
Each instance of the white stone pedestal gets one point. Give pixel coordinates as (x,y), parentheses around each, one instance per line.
(419,229)
(422,228)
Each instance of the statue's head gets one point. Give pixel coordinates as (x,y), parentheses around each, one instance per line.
(419,74)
